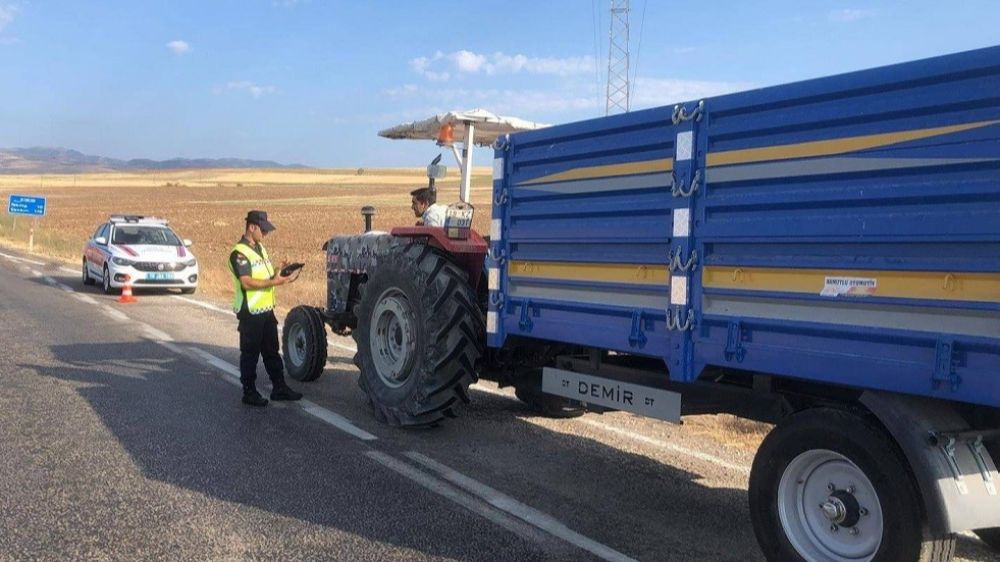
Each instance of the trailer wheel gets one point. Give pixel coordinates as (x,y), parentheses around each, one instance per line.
(304,343)
(420,336)
(832,486)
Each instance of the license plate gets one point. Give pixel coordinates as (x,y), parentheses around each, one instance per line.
(458,215)
(159,276)
(635,398)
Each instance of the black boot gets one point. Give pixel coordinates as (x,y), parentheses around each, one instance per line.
(253,398)
(283,392)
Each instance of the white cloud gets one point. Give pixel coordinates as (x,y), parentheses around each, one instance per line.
(848,15)
(440,66)
(254,90)
(179,47)
(7,13)
(651,92)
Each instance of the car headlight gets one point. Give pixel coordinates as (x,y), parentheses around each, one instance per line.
(191,263)
(121,261)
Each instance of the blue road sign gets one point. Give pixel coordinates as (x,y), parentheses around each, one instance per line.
(26,205)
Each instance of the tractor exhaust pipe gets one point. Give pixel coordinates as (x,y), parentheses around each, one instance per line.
(368,212)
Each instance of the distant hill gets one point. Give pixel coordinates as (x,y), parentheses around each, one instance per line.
(48,160)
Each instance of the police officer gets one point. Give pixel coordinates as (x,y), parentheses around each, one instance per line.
(254,280)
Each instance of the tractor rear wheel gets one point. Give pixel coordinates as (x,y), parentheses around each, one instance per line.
(304,343)
(420,336)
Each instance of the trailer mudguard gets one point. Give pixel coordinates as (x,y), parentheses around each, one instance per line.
(958,481)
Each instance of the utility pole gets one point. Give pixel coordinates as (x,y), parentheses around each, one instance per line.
(618,99)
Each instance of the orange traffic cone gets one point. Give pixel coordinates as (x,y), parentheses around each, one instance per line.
(126,297)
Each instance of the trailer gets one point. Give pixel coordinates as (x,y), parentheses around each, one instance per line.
(823,256)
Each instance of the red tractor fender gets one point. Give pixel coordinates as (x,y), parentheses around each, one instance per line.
(469,254)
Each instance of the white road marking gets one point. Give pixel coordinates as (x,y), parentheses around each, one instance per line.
(341,346)
(50,280)
(175,348)
(336,420)
(68,270)
(84,298)
(203,304)
(116,314)
(65,287)
(35,272)
(448,491)
(668,446)
(528,514)
(218,363)
(20,259)
(156,334)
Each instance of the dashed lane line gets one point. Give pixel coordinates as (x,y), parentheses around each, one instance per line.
(455,495)
(524,512)
(202,304)
(116,314)
(336,420)
(20,259)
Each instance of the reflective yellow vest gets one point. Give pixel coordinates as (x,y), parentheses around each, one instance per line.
(258,300)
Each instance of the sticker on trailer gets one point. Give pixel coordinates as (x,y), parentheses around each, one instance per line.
(685,141)
(495,225)
(679,290)
(849,287)
(491,322)
(493,275)
(498,168)
(682,223)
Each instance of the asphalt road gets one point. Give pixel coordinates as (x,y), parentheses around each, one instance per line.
(122,437)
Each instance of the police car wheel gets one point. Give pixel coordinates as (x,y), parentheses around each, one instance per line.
(106,283)
(87,279)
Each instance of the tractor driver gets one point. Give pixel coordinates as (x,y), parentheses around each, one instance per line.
(424,208)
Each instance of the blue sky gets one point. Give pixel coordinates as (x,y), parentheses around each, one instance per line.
(312,81)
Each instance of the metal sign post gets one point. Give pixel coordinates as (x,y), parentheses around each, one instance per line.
(30,205)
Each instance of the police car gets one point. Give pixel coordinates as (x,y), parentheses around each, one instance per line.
(141,252)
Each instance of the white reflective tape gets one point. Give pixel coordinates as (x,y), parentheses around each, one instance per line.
(679,290)
(494,278)
(498,168)
(491,322)
(682,223)
(495,226)
(684,142)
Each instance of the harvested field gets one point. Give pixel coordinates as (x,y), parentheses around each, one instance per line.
(208,206)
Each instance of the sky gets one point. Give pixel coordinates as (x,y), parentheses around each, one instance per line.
(313,81)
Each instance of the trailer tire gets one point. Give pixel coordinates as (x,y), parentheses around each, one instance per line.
(869,513)
(303,343)
(420,336)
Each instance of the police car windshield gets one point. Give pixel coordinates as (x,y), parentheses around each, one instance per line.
(144,235)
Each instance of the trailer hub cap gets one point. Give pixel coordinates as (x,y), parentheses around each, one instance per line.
(829,509)
(393,339)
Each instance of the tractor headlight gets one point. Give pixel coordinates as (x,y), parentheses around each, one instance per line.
(121,261)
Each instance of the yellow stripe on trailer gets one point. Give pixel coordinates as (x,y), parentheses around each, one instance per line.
(591,172)
(833,146)
(600,272)
(931,285)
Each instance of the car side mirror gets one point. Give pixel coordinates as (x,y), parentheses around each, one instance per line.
(101,241)
(187,243)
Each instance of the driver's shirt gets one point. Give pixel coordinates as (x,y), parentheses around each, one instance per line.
(434,215)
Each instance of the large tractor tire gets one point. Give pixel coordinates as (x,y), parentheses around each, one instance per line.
(304,346)
(420,336)
(832,486)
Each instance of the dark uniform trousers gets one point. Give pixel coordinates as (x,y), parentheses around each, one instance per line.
(259,337)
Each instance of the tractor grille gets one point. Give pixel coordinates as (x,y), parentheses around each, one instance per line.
(155,266)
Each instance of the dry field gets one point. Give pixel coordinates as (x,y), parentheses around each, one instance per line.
(307,206)
(208,207)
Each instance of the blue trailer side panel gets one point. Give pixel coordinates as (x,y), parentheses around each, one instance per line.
(843,230)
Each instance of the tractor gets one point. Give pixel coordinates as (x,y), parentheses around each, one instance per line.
(415,300)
